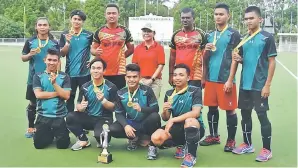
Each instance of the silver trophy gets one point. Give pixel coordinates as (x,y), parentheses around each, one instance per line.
(105,156)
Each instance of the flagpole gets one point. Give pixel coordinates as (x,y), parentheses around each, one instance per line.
(24,20)
(145,1)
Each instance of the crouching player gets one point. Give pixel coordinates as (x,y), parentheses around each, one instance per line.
(185,128)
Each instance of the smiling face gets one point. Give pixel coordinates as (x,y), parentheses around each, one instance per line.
(180,77)
(132,78)
(76,22)
(112,15)
(147,34)
(97,70)
(52,62)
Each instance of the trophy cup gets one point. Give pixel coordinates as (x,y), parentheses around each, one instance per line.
(104,156)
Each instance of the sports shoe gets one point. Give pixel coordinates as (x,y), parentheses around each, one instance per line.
(189,161)
(230,145)
(210,140)
(180,152)
(152,153)
(243,148)
(98,145)
(264,155)
(30,132)
(132,144)
(80,145)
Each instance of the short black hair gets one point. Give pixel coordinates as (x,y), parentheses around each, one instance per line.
(184,66)
(133,67)
(223,5)
(80,13)
(187,10)
(253,9)
(104,64)
(53,51)
(113,5)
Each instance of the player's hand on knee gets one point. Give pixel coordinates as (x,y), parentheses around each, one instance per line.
(228,86)
(169,125)
(129,131)
(265,91)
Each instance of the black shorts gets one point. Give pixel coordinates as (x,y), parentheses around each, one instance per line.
(178,134)
(30,94)
(118,80)
(249,99)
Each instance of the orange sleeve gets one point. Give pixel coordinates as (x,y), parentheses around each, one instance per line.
(161,56)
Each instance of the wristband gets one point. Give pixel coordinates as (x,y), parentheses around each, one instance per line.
(104,100)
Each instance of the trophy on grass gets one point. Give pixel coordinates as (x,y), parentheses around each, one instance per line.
(104,156)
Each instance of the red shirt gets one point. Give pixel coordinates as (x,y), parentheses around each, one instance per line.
(188,47)
(149,58)
(112,42)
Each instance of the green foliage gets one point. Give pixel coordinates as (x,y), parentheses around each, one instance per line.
(10,29)
(95,9)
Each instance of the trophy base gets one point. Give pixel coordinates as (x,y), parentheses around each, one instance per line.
(102,158)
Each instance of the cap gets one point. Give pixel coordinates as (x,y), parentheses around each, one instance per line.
(148,26)
(80,13)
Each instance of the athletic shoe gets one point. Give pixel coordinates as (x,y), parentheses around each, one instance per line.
(132,144)
(80,145)
(264,155)
(180,152)
(210,140)
(189,161)
(98,145)
(230,145)
(30,132)
(152,153)
(243,148)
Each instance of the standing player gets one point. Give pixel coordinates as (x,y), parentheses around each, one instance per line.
(75,45)
(258,54)
(34,51)
(51,88)
(186,126)
(186,47)
(136,109)
(109,44)
(95,106)
(219,72)
(150,56)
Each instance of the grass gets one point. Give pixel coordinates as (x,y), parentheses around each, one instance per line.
(19,151)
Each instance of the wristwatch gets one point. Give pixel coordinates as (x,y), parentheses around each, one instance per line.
(153,79)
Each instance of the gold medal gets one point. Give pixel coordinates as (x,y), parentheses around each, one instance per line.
(72,32)
(170,100)
(52,73)
(96,89)
(213,48)
(129,104)
(37,50)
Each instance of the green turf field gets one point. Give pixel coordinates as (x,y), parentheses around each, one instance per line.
(16,150)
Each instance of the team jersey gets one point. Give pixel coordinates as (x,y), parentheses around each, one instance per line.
(54,107)
(144,97)
(219,62)
(95,107)
(184,102)
(188,47)
(112,42)
(149,58)
(78,53)
(36,63)
(256,53)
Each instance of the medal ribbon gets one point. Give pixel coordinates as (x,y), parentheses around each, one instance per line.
(215,36)
(246,39)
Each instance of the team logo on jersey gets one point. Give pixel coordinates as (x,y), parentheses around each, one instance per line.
(262,105)
(230,103)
